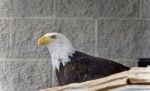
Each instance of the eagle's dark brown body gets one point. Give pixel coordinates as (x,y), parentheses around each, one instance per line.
(83,67)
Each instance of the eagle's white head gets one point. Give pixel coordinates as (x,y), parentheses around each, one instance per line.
(59,46)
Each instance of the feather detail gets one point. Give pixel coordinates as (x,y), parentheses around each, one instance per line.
(60,51)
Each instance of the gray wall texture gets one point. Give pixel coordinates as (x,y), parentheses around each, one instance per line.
(113,29)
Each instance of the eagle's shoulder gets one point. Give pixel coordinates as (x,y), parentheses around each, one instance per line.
(82,62)
(83,67)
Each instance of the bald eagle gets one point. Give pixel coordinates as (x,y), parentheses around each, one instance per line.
(73,66)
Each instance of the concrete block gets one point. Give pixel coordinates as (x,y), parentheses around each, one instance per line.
(145,8)
(4,38)
(143,43)
(97,8)
(25,75)
(6,8)
(24,36)
(32,8)
(119,38)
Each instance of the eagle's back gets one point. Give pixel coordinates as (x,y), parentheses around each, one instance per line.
(83,67)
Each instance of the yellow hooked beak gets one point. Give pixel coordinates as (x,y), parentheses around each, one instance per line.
(44,40)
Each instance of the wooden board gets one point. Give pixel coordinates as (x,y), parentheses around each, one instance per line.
(135,76)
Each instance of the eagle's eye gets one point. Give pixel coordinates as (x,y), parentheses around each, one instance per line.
(53,36)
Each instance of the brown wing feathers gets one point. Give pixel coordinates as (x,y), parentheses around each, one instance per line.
(84,67)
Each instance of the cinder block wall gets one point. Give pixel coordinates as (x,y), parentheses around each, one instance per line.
(114,29)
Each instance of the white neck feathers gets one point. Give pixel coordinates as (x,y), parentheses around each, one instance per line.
(60,51)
